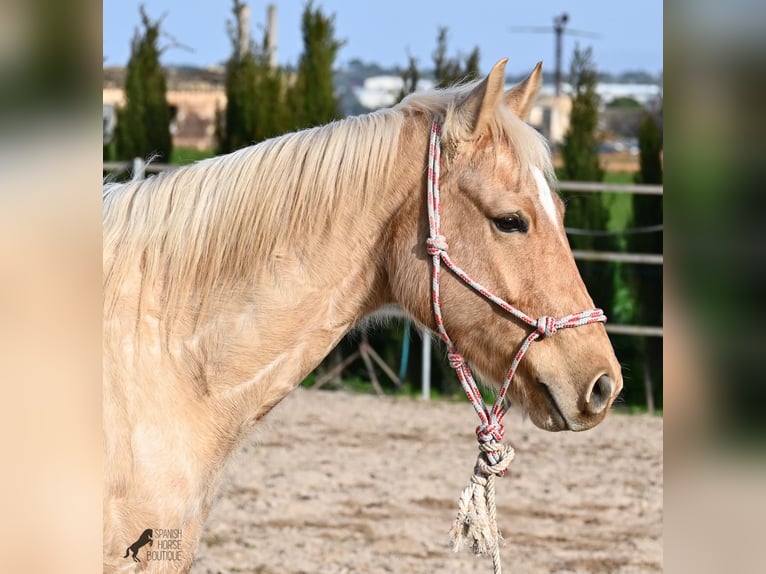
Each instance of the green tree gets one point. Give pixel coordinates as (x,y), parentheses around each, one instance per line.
(650,149)
(449,70)
(471,67)
(143,125)
(645,282)
(446,69)
(581,163)
(580,149)
(272,117)
(410,78)
(238,119)
(255,102)
(312,98)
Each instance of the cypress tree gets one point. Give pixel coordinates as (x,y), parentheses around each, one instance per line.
(143,125)
(471,67)
(312,98)
(235,123)
(446,69)
(239,116)
(645,282)
(580,149)
(450,70)
(410,78)
(272,117)
(581,163)
(255,102)
(650,151)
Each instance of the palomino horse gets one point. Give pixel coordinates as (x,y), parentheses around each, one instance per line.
(227,282)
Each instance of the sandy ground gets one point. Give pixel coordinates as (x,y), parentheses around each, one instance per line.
(335,483)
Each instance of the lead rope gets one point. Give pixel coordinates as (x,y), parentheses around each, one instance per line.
(476,522)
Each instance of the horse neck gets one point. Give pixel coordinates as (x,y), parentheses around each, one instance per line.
(307,297)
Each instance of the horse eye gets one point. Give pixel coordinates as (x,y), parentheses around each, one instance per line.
(510,223)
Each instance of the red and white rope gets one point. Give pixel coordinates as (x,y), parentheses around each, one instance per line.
(490,430)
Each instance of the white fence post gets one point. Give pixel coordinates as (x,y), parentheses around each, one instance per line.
(426,367)
(139,168)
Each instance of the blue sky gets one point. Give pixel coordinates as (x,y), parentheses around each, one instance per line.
(385,31)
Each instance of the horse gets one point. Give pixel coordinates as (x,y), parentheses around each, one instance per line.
(228,281)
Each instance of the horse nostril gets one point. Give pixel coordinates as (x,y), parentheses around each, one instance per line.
(600,395)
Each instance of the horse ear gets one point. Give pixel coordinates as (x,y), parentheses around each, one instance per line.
(476,111)
(521,98)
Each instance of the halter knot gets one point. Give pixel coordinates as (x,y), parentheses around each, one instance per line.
(456,360)
(547,326)
(436,245)
(490,432)
(503,454)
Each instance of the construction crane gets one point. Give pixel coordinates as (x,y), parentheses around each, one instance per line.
(559,29)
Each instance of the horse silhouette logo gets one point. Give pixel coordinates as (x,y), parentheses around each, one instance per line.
(143,540)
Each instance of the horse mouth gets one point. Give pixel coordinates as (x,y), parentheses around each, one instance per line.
(556,419)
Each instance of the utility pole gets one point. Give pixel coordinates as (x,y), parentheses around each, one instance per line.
(559,29)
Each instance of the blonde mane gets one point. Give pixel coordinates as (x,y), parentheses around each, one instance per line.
(209,225)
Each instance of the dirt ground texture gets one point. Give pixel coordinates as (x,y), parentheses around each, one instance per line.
(334,482)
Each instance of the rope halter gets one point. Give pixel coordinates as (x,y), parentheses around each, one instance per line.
(476,520)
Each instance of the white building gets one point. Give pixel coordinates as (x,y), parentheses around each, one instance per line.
(383,91)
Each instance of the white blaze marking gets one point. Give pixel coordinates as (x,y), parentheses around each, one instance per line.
(546,195)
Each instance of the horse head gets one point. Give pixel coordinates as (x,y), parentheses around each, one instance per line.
(502,224)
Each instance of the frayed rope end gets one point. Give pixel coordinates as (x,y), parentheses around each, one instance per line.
(476,522)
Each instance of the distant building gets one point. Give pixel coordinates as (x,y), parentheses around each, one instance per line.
(550,116)
(194,95)
(644,94)
(383,91)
